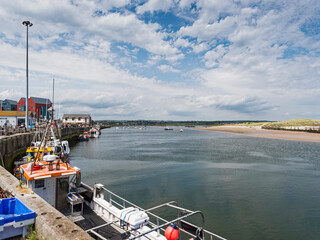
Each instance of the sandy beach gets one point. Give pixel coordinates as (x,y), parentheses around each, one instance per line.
(265,133)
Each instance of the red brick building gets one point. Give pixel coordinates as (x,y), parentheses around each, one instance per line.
(38,106)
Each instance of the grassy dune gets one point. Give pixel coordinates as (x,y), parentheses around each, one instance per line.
(252,124)
(288,123)
(293,123)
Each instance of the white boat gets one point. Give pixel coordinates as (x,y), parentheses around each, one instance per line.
(58,146)
(44,144)
(94,133)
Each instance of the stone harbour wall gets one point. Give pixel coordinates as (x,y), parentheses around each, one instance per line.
(12,147)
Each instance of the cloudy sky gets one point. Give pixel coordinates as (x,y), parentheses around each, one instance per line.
(166,59)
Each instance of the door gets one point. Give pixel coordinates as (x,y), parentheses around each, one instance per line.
(62,190)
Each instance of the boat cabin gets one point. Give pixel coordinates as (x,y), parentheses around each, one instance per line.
(50,179)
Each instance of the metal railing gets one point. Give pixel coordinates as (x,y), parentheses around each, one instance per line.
(161,223)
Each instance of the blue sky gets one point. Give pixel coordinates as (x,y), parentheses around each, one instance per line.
(166,59)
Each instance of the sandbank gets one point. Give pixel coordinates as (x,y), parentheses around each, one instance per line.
(266,133)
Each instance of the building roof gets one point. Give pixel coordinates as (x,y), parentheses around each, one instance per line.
(41,100)
(13,113)
(76,115)
(12,102)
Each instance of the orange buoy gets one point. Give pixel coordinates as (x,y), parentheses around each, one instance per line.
(172,232)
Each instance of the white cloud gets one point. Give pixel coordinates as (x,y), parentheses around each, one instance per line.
(11,94)
(53,18)
(181,42)
(201,47)
(168,68)
(107,5)
(197,47)
(212,57)
(185,3)
(127,27)
(154,5)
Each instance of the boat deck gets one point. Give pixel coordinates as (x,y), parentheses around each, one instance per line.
(92,221)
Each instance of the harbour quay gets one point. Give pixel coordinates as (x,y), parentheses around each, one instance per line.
(49,222)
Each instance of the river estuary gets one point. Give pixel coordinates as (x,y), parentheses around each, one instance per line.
(247,187)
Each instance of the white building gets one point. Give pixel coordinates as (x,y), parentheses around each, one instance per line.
(76,119)
(12,118)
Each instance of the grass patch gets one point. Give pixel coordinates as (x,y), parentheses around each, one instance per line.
(32,233)
(293,123)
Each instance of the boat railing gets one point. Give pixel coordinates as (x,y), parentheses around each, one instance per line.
(161,223)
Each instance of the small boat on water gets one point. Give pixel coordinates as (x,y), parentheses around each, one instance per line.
(167,128)
(94,133)
(84,137)
(181,130)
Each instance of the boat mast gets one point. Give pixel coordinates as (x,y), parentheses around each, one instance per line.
(52,100)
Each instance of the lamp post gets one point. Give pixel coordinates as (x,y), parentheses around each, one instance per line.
(27,24)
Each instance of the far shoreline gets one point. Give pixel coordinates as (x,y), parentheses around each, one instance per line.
(257,131)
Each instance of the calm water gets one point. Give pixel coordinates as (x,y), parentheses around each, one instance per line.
(248,188)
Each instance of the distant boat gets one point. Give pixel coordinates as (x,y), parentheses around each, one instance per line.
(84,137)
(181,130)
(94,133)
(167,128)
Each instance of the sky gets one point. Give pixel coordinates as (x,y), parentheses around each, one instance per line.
(165,59)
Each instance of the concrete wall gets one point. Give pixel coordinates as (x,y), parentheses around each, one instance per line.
(67,132)
(14,146)
(50,223)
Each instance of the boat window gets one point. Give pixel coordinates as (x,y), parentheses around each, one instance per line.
(39,183)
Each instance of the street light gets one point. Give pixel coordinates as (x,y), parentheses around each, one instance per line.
(27,24)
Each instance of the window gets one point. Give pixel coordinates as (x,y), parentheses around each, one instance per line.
(39,183)
(73,119)
(66,119)
(79,118)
